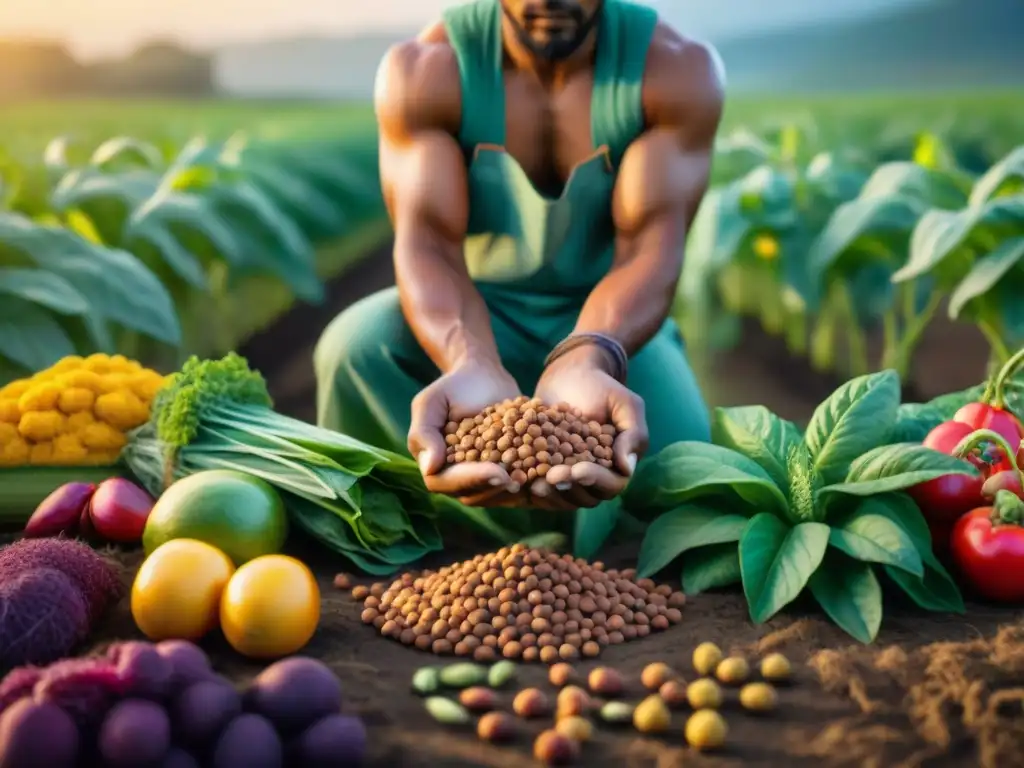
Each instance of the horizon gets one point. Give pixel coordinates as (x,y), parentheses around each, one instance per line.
(103,28)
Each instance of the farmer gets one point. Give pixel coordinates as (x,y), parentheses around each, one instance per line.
(542,161)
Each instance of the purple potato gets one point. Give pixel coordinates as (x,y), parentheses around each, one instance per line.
(189,664)
(249,740)
(146,673)
(335,741)
(295,693)
(179,758)
(36,735)
(135,732)
(201,712)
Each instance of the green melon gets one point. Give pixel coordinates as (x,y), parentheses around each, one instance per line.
(241,515)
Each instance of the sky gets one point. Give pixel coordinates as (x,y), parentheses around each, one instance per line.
(114,27)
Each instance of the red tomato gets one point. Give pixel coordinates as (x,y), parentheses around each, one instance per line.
(987,548)
(999,420)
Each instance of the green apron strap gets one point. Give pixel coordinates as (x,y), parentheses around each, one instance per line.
(616,111)
(474,33)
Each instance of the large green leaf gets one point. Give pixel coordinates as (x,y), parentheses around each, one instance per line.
(711,567)
(689,470)
(777,560)
(897,467)
(914,421)
(30,336)
(986,274)
(126,152)
(850,594)
(683,529)
(186,215)
(759,435)
(1005,177)
(43,288)
(944,242)
(870,533)
(854,419)
(936,188)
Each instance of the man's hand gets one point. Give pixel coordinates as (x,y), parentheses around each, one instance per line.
(462,392)
(580,378)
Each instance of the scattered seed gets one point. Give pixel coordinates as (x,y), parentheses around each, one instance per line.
(617,712)
(652,716)
(576,728)
(605,681)
(462,675)
(426,681)
(733,671)
(706,729)
(531,702)
(446,711)
(758,697)
(478,699)
(775,667)
(360,593)
(706,658)
(496,727)
(656,675)
(561,674)
(554,748)
(501,673)
(704,694)
(572,700)
(673,693)
(342,581)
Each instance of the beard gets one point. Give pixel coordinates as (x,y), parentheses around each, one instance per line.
(560,47)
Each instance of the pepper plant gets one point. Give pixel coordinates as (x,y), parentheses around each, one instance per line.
(975,255)
(783,512)
(747,255)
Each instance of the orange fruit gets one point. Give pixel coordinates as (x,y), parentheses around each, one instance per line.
(177,591)
(270,607)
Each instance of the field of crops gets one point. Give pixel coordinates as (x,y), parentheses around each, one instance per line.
(843,231)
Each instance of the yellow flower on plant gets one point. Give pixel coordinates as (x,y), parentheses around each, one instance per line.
(98,363)
(38,426)
(766,247)
(82,379)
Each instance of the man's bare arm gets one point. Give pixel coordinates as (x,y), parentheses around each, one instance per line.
(423,175)
(662,180)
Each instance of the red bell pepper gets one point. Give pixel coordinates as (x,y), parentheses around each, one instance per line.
(990,412)
(943,500)
(987,548)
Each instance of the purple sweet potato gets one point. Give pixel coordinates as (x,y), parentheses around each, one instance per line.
(60,512)
(294,693)
(189,663)
(84,687)
(96,578)
(135,732)
(146,673)
(43,616)
(249,740)
(37,734)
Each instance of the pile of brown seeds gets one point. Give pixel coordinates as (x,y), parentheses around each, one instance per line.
(528,438)
(520,603)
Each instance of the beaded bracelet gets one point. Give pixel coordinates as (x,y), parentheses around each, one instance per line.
(605,342)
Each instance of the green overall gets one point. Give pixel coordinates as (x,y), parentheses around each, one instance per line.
(534,259)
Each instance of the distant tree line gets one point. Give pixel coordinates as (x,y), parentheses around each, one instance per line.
(48,70)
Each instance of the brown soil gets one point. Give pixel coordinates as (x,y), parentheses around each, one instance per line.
(932,691)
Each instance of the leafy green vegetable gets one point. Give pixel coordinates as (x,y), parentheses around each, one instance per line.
(783,513)
(365,503)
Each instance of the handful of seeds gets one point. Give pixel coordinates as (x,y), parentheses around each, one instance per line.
(528,438)
(520,603)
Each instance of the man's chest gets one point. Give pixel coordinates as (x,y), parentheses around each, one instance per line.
(548,131)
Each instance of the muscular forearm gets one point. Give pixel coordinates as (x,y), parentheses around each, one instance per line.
(634,298)
(443,307)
